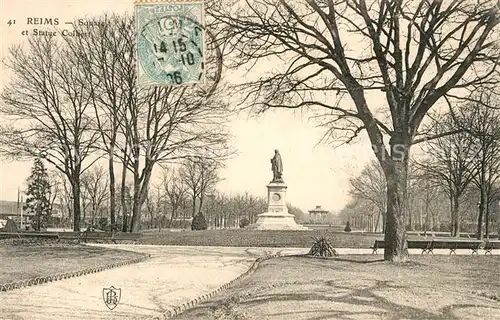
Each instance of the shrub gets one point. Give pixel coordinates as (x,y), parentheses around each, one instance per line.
(10,226)
(199,222)
(102,223)
(322,247)
(244,222)
(347,227)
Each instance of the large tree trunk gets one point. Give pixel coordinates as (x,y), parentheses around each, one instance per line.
(136,207)
(112,191)
(75,185)
(200,207)
(140,196)
(193,213)
(384,219)
(480,216)
(395,229)
(487,221)
(92,217)
(123,188)
(455,216)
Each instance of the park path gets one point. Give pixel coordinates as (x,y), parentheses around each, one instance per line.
(172,276)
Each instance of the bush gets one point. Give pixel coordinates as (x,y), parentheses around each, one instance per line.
(244,222)
(322,247)
(10,226)
(199,222)
(347,227)
(102,223)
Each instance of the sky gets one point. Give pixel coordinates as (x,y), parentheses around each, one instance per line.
(315,174)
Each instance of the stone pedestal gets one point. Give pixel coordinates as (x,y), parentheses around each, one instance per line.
(277,216)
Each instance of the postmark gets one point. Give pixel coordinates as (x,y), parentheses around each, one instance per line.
(170,43)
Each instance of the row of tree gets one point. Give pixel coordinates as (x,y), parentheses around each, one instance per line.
(180,194)
(452,185)
(72,101)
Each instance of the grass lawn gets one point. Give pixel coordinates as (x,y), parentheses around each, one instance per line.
(257,238)
(25,262)
(362,287)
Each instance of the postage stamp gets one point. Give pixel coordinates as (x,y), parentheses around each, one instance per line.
(170,43)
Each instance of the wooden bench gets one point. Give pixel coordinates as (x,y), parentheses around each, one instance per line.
(490,246)
(9,235)
(453,245)
(29,235)
(125,236)
(92,235)
(87,236)
(70,235)
(427,246)
(109,236)
(40,235)
(376,245)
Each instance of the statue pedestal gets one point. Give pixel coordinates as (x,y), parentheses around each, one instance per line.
(277,216)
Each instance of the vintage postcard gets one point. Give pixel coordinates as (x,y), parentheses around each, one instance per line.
(258,159)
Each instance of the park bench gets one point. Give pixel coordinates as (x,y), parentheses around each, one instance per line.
(9,235)
(453,245)
(95,236)
(124,236)
(87,236)
(40,235)
(376,245)
(29,235)
(426,245)
(70,235)
(109,236)
(490,246)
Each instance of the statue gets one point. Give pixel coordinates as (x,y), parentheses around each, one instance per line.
(277,167)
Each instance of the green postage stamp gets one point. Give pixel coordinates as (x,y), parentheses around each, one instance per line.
(170,43)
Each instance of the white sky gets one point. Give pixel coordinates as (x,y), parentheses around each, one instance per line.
(315,174)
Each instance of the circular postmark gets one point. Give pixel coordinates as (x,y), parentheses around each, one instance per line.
(171,49)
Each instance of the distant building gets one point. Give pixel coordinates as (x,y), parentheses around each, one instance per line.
(13,210)
(318,215)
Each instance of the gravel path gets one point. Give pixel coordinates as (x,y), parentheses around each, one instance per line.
(173,275)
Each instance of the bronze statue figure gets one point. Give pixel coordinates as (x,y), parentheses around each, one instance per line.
(277,167)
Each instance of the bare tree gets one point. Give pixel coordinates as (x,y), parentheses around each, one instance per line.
(168,124)
(107,57)
(450,164)
(164,124)
(176,192)
(482,120)
(370,185)
(200,176)
(63,196)
(95,182)
(50,111)
(154,206)
(416,52)
(125,207)
(358,212)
